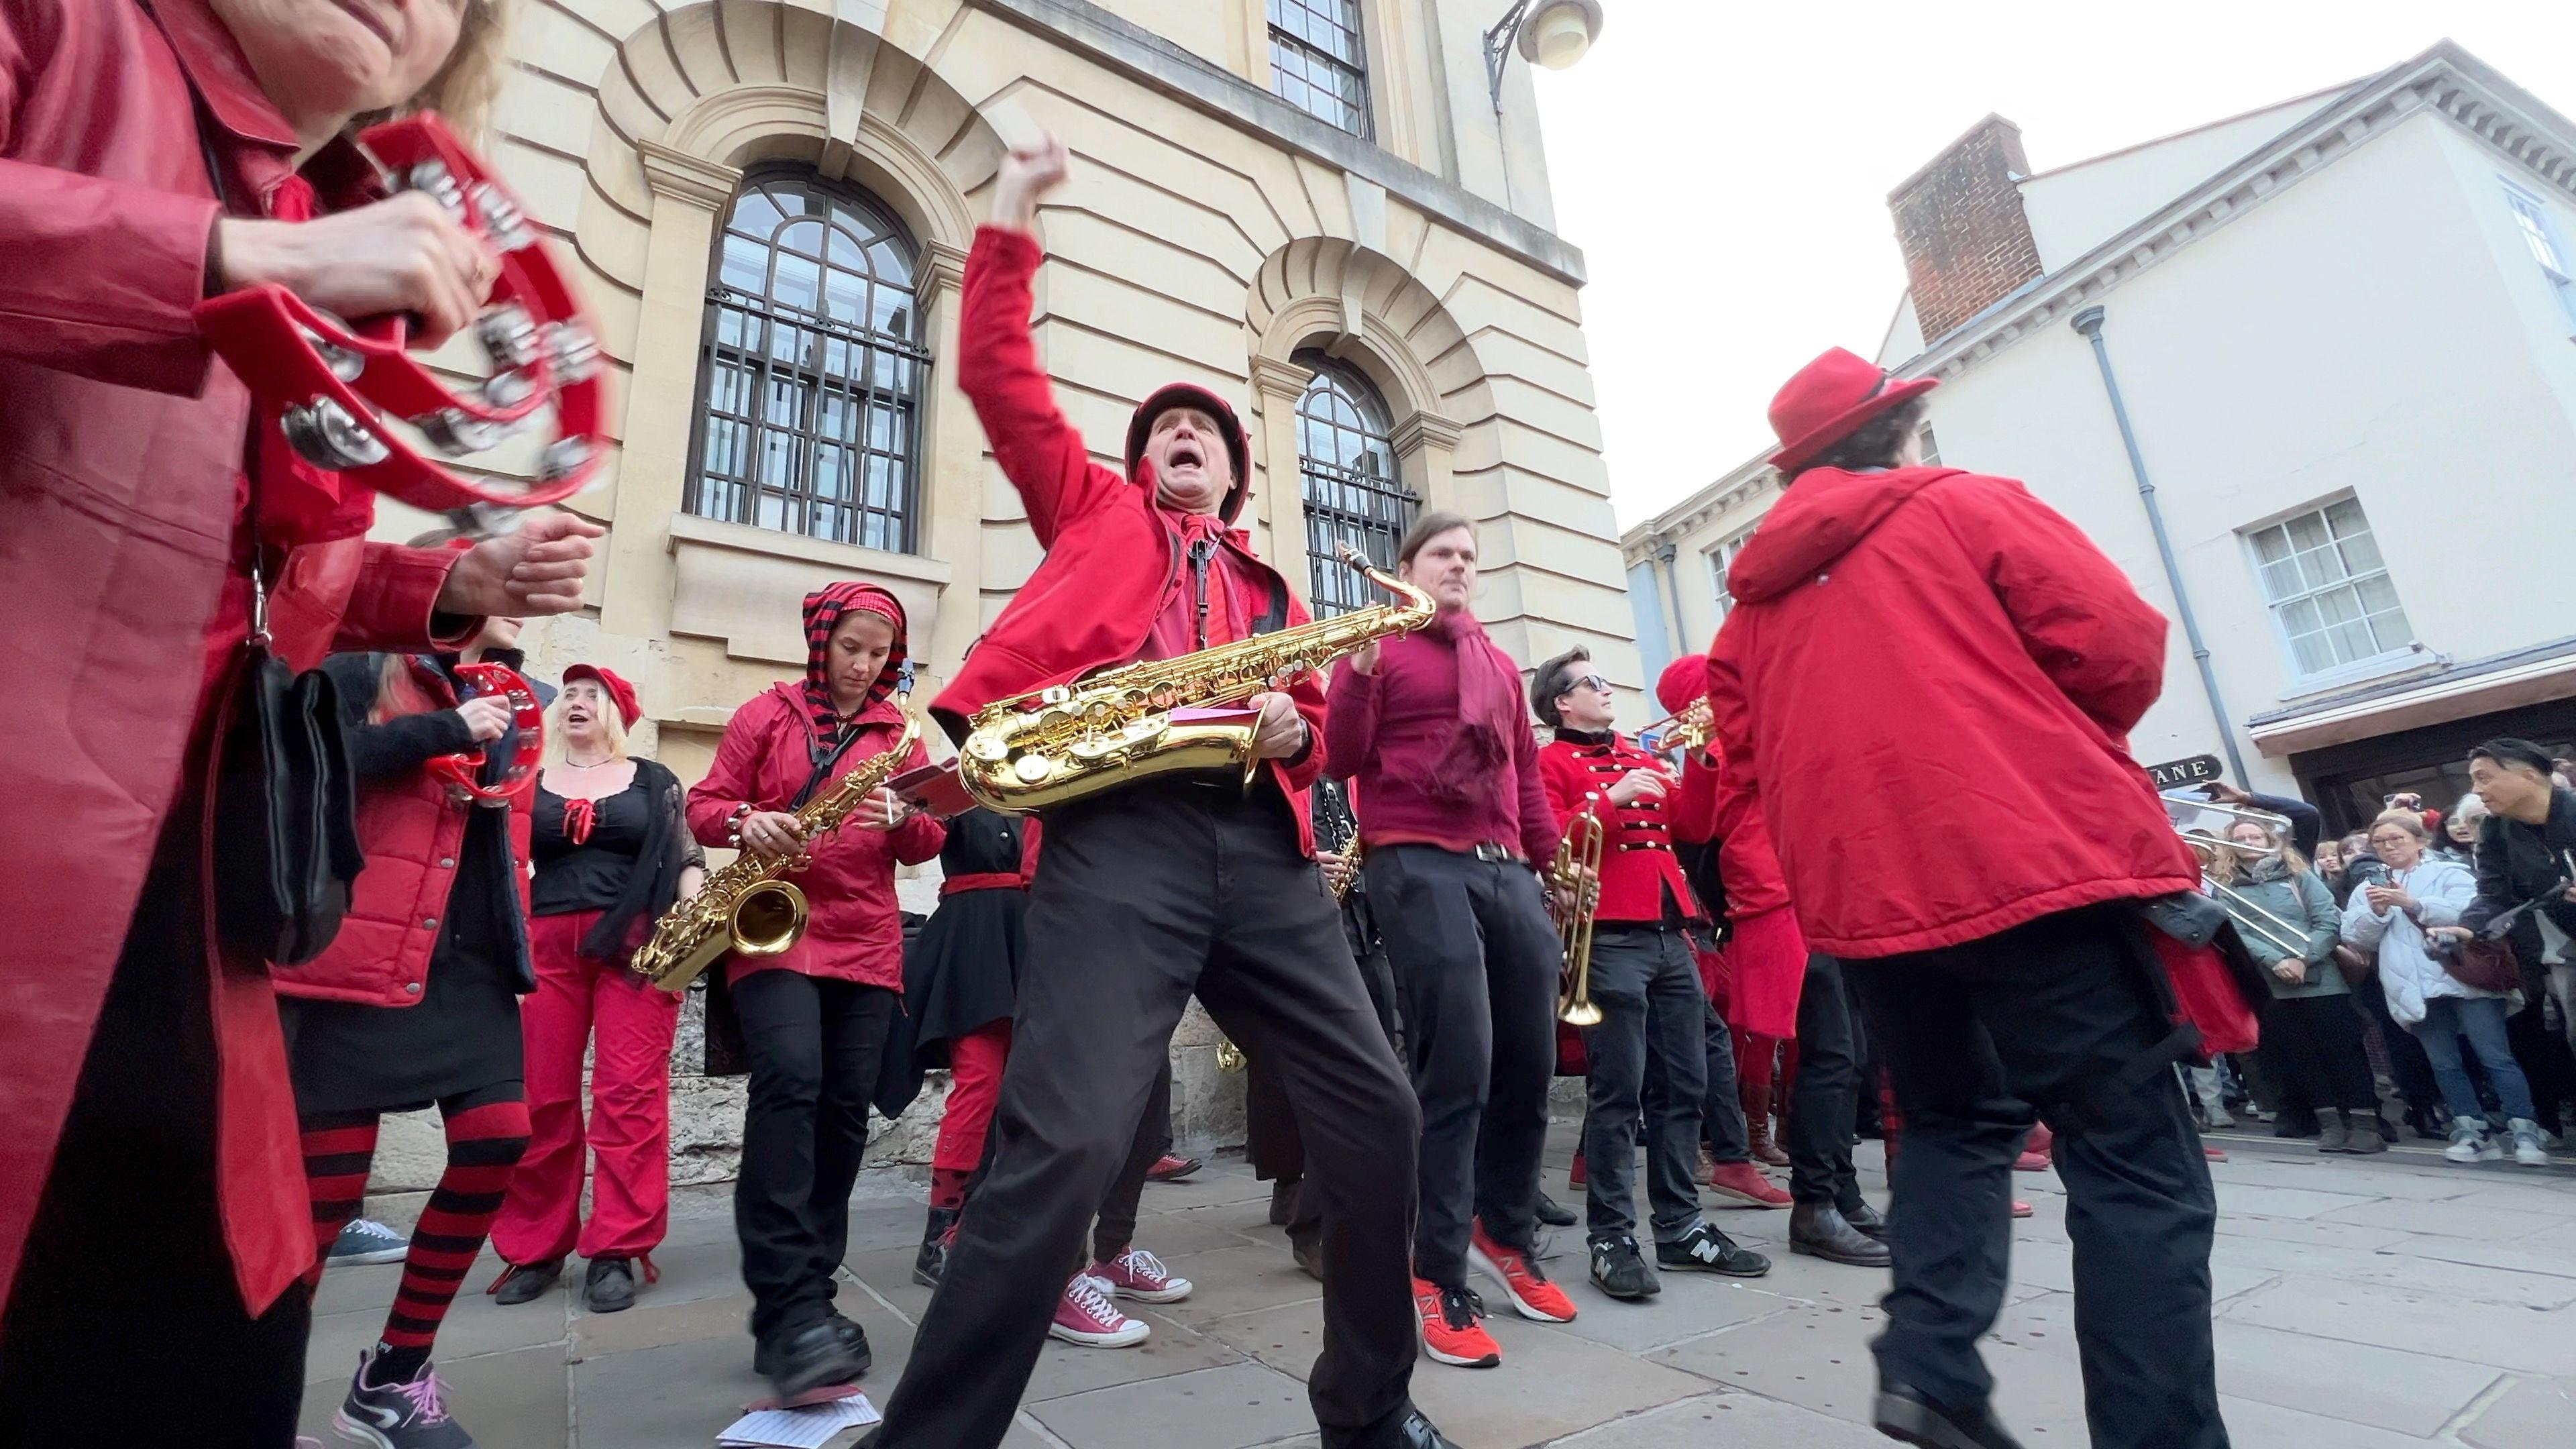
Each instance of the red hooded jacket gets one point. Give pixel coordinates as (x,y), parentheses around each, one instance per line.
(766,757)
(1928,682)
(1712,805)
(1113,559)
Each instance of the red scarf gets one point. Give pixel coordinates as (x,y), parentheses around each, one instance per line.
(1489,702)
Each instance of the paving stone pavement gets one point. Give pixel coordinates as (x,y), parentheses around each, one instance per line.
(2362,1304)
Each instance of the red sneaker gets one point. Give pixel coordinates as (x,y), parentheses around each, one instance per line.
(1170,1168)
(1531,1294)
(2213,1154)
(1453,1326)
(1743,1182)
(2021,1209)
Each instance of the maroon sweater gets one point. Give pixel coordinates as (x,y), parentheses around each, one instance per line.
(1386,731)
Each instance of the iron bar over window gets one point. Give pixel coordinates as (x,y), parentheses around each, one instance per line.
(810,386)
(1317,61)
(1352,493)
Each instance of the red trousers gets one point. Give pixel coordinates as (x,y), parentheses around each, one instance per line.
(630,1105)
(975,1062)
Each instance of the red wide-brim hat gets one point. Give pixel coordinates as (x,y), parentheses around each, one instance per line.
(619,691)
(1829,399)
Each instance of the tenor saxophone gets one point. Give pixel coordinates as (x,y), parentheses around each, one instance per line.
(1118,726)
(746,908)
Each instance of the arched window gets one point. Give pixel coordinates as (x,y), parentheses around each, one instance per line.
(1352,493)
(809,390)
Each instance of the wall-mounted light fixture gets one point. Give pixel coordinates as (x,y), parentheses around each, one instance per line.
(1552,33)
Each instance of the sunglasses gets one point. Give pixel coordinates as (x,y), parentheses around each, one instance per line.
(1589,681)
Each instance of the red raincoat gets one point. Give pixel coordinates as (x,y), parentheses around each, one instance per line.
(1928,682)
(122,561)
(1113,560)
(1756,976)
(765,758)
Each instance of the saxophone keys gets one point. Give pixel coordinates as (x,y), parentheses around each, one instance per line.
(1032,768)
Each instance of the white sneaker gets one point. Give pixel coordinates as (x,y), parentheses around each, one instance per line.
(2527,1147)
(2470,1142)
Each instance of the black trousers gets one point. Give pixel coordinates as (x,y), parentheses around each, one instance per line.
(1721,1112)
(2542,1053)
(1269,1126)
(2410,1068)
(125,1281)
(1115,1229)
(1976,1036)
(1651,1029)
(1149,893)
(1476,962)
(814,1045)
(2314,1045)
(1821,1099)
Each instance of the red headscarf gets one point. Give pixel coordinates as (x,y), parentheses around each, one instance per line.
(823,610)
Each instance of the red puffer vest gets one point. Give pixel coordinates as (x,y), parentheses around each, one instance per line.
(412,826)
(1637,860)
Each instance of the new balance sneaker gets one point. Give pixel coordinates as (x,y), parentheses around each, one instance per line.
(1743,1182)
(2528,1148)
(1085,1315)
(1140,1275)
(1706,1250)
(407,1415)
(364,1240)
(1619,1270)
(1531,1294)
(2470,1142)
(1453,1326)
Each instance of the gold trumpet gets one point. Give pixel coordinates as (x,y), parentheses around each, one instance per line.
(1576,872)
(1688,731)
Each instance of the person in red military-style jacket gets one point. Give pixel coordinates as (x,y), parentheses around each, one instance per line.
(151,155)
(1647,986)
(1153,890)
(1928,681)
(816,1017)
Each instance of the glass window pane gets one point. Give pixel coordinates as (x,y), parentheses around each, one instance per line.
(2361,554)
(2307,531)
(800,238)
(2378,595)
(2352,641)
(2344,518)
(755,213)
(2315,656)
(2272,544)
(2280,580)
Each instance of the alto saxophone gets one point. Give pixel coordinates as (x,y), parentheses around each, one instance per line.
(1118,726)
(746,908)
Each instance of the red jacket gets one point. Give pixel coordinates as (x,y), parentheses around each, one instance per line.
(122,561)
(412,826)
(1928,681)
(766,756)
(1112,559)
(1638,867)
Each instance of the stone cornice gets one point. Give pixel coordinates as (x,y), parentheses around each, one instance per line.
(679,176)
(942,270)
(1206,86)
(2445,79)
(1425,430)
(1286,381)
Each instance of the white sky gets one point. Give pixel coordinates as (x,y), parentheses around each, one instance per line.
(1725,166)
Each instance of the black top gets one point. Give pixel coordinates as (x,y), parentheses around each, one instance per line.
(2517,863)
(592,875)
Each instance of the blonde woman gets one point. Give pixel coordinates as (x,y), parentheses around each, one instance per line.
(2407,919)
(2311,1036)
(613,852)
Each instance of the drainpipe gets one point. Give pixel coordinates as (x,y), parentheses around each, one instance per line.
(2089,322)
(1670,605)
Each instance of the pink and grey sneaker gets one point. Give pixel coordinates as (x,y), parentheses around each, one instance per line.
(1086,1315)
(1141,1276)
(407,1415)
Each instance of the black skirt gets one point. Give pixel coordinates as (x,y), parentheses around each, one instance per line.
(462,1037)
(963,970)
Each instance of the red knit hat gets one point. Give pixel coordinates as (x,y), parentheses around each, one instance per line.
(1827,402)
(1683,680)
(621,693)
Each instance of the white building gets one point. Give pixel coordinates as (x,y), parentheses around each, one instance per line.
(2343,330)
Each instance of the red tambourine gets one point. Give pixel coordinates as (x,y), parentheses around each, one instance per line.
(329,384)
(527,721)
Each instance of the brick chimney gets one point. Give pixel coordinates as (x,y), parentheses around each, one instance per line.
(1960,224)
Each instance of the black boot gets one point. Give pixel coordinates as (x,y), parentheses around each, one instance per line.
(932,1260)
(1910,1418)
(1413,1431)
(1866,1218)
(526,1282)
(1819,1230)
(1283,1202)
(800,1360)
(609,1287)
(1553,1213)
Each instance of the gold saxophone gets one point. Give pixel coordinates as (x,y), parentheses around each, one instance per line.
(1116,727)
(745,908)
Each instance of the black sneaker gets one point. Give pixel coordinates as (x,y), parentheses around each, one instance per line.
(411,1415)
(764,1353)
(1618,1270)
(1706,1250)
(525,1282)
(609,1287)
(801,1360)
(937,1234)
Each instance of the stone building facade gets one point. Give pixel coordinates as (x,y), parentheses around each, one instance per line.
(1314,207)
